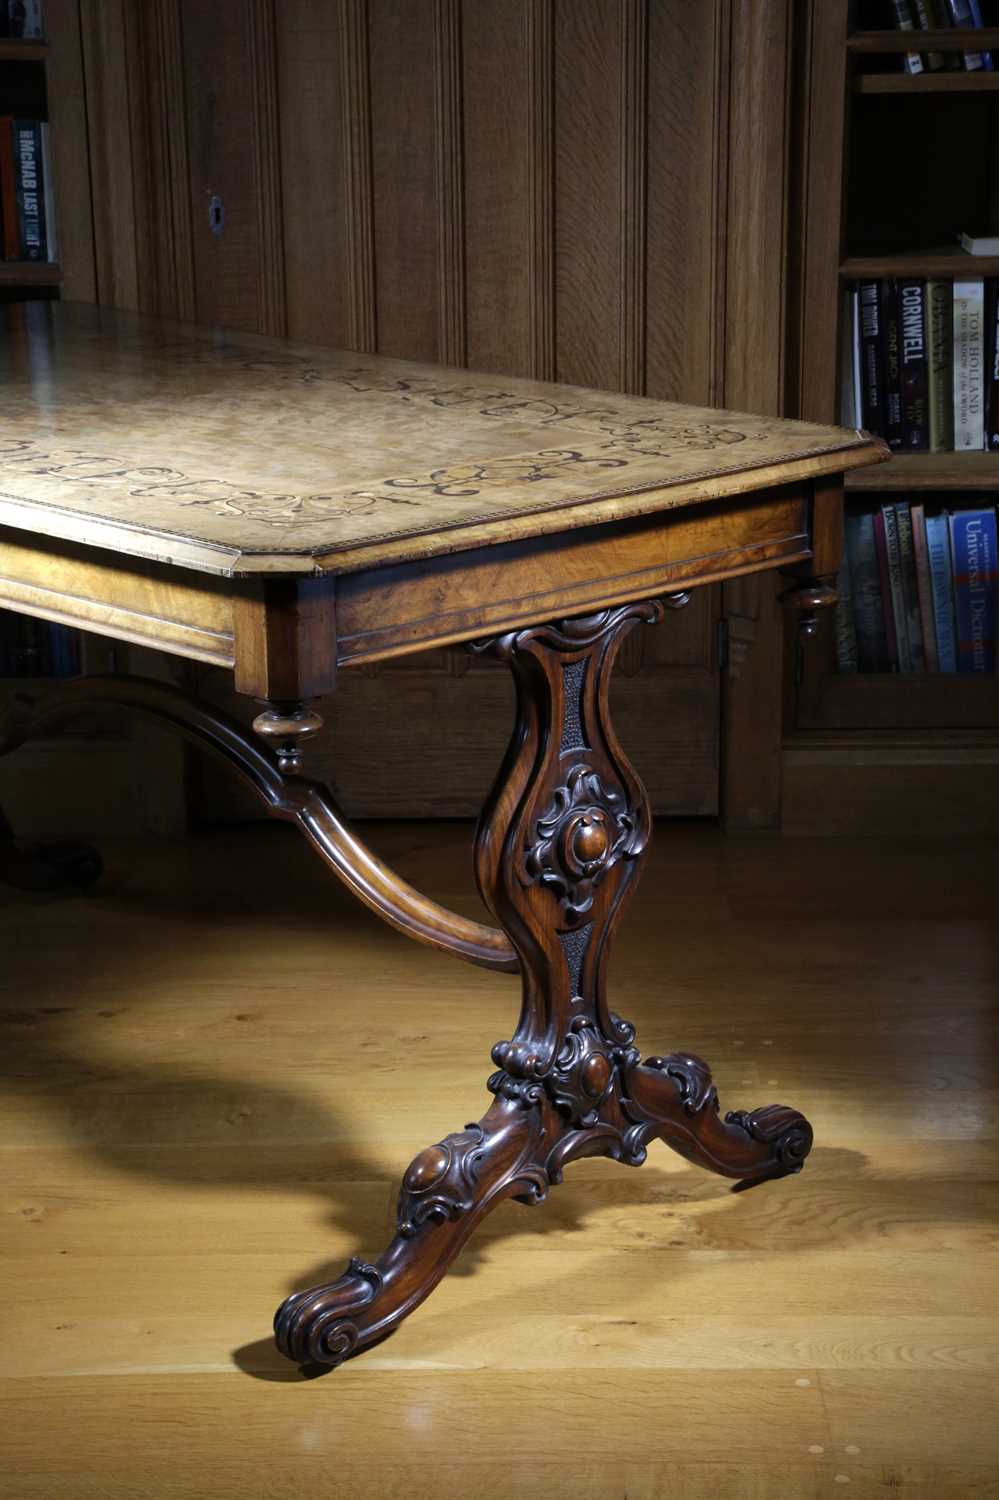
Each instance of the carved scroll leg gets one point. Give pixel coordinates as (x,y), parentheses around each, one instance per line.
(673,1099)
(446,1191)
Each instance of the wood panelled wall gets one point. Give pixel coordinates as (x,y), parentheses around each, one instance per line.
(586,190)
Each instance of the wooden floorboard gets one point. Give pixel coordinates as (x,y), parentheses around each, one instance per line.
(181,1149)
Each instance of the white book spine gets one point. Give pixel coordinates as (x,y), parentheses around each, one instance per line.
(969,365)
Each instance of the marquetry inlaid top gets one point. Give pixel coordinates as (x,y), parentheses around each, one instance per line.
(236,453)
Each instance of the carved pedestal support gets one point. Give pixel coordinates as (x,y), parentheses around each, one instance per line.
(558,851)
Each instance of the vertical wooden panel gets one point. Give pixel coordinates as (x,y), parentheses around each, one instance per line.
(163,231)
(759,95)
(105,56)
(686,190)
(634,166)
(70,155)
(588,119)
(402,153)
(355,94)
(217,65)
(541,64)
(315,203)
(449,183)
(499,232)
(264,121)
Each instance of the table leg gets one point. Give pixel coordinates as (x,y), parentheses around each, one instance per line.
(558,851)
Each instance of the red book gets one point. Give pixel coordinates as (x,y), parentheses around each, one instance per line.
(924,587)
(8,190)
(884,572)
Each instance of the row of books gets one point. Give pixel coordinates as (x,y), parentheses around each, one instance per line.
(27,210)
(921,362)
(918,590)
(934,15)
(22,19)
(35,648)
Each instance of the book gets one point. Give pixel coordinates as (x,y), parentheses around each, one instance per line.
(969,365)
(891,323)
(902,14)
(915,400)
(966,13)
(973,553)
(992,365)
(30,190)
(865,583)
(850,404)
(871,357)
(987,244)
(48,194)
(942,580)
(940,364)
(8,190)
(927,20)
(908,584)
(889,569)
(24,19)
(924,588)
(844,621)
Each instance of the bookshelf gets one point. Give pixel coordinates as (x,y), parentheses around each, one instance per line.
(891,168)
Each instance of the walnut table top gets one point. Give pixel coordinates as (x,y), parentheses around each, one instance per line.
(234,454)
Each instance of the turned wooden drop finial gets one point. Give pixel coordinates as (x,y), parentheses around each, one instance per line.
(285,728)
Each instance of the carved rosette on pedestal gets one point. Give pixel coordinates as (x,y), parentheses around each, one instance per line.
(558,851)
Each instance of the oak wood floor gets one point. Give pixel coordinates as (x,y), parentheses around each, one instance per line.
(216,1068)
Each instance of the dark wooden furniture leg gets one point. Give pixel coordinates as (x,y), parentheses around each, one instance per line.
(558,851)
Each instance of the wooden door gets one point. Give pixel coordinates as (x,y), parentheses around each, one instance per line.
(535,187)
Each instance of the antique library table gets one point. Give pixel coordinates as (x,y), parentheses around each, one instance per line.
(290,512)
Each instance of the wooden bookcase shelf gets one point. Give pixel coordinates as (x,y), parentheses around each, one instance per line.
(926,83)
(30,273)
(874,172)
(947,39)
(14,51)
(929,471)
(926,263)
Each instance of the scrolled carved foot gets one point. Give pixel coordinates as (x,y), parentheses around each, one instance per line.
(446,1190)
(674,1099)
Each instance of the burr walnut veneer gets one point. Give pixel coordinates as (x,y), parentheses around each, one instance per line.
(289,512)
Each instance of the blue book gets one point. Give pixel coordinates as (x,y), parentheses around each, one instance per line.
(941,578)
(973,551)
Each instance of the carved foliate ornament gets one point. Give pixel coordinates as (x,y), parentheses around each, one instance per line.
(586,829)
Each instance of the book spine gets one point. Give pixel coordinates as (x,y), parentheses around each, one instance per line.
(942,580)
(48,193)
(976,20)
(872,392)
(915,398)
(8,189)
(30,203)
(902,14)
(910,590)
(940,364)
(969,365)
(926,21)
(973,550)
(844,621)
(892,356)
(865,577)
(924,588)
(858,379)
(884,574)
(847,367)
(962,14)
(992,366)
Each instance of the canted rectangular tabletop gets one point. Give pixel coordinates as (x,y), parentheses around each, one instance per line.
(238,454)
